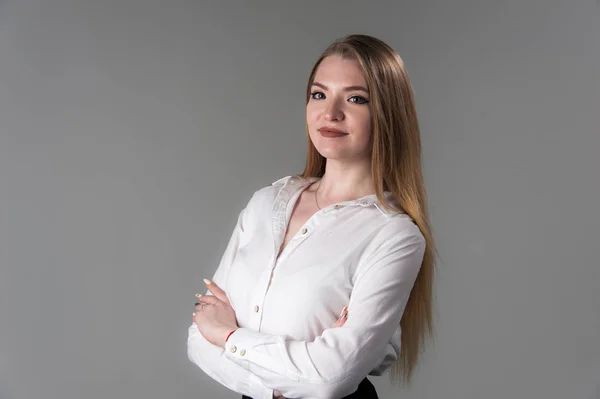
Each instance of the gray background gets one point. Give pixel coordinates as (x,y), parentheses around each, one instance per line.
(132,132)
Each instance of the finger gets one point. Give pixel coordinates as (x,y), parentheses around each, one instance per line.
(208,299)
(340,322)
(343,313)
(342,319)
(216,291)
(199,306)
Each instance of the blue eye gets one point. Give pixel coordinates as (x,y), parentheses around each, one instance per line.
(317,95)
(358,100)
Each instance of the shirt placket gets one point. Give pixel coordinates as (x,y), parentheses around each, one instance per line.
(280,222)
(302,235)
(279,219)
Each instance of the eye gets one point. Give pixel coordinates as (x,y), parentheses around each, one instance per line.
(317,95)
(358,100)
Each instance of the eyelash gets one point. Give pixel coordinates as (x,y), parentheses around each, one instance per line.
(361,100)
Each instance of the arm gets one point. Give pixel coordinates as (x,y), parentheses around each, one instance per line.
(334,363)
(211,360)
(209,357)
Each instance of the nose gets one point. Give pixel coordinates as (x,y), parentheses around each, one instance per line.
(334,111)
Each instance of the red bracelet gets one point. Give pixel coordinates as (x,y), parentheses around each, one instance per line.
(229,335)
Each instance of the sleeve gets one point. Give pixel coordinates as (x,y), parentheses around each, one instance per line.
(210,358)
(390,355)
(333,365)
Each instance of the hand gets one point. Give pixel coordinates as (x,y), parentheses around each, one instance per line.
(342,319)
(214,315)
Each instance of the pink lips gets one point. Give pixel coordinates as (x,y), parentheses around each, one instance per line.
(331,132)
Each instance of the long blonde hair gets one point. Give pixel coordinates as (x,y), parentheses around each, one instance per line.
(396,167)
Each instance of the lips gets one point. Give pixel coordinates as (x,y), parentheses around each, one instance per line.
(331,132)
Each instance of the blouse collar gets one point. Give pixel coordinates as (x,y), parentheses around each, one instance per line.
(293,183)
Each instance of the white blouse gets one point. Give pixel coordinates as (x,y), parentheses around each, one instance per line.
(353,253)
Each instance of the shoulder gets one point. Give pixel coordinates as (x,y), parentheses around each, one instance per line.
(398,223)
(400,229)
(399,244)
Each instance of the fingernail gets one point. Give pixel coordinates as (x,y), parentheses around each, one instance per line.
(207,282)
(198,295)
(193,313)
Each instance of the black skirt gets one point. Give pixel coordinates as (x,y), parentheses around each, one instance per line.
(365,390)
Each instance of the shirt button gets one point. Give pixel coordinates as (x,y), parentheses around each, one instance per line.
(304,230)
(256,308)
(233,349)
(242,352)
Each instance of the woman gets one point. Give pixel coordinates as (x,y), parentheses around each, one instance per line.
(351,230)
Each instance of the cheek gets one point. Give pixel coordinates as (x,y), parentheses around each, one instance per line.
(368,125)
(312,113)
(310,122)
(362,124)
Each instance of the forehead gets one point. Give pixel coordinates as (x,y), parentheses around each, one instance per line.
(342,71)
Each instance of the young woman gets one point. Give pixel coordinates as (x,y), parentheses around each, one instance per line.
(350,233)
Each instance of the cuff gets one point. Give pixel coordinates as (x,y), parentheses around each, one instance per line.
(242,381)
(240,344)
(240,349)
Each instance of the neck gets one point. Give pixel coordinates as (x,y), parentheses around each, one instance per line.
(344,182)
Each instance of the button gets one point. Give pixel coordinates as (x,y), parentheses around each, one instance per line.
(233,349)
(242,352)
(256,308)
(304,230)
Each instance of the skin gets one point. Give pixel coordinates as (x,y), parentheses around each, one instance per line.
(339,100)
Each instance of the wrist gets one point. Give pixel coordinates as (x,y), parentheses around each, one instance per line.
(227,333)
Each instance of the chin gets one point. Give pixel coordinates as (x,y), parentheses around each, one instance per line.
(330,153)
(342,154)
(335,155)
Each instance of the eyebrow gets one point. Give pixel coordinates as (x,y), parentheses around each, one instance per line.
(349,88)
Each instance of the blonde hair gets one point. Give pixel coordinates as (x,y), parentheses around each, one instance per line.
(396,167)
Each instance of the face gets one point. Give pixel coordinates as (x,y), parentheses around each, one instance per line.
(338,114)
